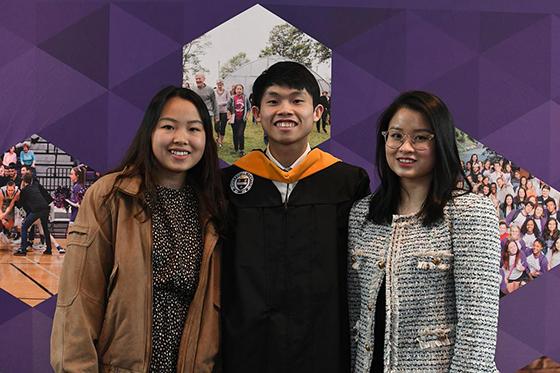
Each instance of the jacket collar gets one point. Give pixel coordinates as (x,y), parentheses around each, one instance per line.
(129,185)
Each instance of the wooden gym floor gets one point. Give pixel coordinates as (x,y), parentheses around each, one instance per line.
(32,278)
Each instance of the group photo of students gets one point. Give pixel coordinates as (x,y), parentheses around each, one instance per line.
(528,211)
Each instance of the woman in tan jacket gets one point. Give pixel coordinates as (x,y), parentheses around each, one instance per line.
(139,290)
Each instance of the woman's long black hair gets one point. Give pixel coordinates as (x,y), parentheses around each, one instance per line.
(204,177)
(447,168)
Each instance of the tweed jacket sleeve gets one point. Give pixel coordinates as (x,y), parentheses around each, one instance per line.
(355,222)
(475,238)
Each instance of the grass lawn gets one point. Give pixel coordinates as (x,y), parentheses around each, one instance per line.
(254,140)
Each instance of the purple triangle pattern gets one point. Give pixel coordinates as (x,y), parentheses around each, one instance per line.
(461,102)
(553,144)
(123,121)
(519,54)
(550,316)
(517,324)
(139,89)
(55,16)
(430,53)
(381,51)
(38,76)
(498,89)
(68,133)
(326,17)
(361,138)
(10,306)
(20,17)
(498,26)
(12,46)
(166,17)
(90,36)
(47,307)
(462,26)
(555,58)
(513,353)
(356,93)
(133,46)
(352,157)
(17,336)
(524,135)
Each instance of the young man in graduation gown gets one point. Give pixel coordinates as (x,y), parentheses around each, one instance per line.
(284,267)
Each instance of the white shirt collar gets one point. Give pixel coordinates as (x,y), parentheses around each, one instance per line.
(297,162)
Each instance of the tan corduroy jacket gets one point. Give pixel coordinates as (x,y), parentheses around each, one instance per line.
(103,319)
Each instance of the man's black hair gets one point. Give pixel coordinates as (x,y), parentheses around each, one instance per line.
(286,74)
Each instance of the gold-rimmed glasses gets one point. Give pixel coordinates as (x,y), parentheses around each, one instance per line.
(394,139)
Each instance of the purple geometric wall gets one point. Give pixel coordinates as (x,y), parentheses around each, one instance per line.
(80,74)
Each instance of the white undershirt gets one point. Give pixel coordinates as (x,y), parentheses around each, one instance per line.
(285,189)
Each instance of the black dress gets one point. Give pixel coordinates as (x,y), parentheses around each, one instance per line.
(176,257)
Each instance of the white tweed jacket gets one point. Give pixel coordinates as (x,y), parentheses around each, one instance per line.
(442,288)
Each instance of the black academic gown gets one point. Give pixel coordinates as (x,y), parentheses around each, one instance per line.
(284,273)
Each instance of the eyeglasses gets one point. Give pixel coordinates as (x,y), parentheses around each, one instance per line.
(394,139)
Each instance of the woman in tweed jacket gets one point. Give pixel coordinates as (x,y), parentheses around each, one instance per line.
(424,257)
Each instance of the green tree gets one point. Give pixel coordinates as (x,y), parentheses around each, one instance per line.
(287,41)
(192,54)
(233,64)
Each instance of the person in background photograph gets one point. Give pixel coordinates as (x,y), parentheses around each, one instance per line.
(476,174)
(520,198)
(418,242)
(507,173)
(209,97)
(545,194)
(27,157)
(504,234)
(553,255)
(468,168)
(507,207)
(523,182)
(487,170)
(550,234)
(503,189)
(35,201)
(474,159)
(515,234)
(494,197)
(139,289)
(530,232)
(497,171)
(516,179)
(222,98)
(514,265)
(239,107)
(9,157)
(536,260)
(78,179)
(531,191)
(8,197)
(325,101)
(540,218)
(551,211)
